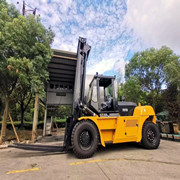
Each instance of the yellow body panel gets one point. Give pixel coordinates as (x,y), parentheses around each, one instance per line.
(121,129)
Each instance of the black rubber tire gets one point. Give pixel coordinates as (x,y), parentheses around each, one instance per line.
(151,141)
(79,128)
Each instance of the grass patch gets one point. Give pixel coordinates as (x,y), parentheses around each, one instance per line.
(60,120)
(28,125)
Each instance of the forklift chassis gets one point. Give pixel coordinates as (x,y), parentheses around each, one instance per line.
(89,131)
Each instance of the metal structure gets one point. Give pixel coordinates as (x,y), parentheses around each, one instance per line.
(60,88)
(79,88)
(30,9)
(66,79)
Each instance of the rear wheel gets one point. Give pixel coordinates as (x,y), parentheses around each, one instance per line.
(150,135)
(84,139)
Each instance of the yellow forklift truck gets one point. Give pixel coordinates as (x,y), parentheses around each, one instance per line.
(100,119)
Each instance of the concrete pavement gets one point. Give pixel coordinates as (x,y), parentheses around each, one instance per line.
(120,161)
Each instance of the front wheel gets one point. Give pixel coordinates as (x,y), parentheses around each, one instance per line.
(150,135)
(84,139)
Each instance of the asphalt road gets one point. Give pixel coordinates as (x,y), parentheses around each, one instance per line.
(122,161)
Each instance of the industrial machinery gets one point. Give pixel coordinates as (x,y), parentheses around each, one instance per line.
(97,118)
(100,119)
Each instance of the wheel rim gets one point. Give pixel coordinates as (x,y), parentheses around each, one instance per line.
(85,140)
(151,136)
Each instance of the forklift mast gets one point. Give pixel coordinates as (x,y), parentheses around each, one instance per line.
(79,85)
(79,89)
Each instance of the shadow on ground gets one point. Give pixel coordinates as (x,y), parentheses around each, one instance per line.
(112,148)
(29,150)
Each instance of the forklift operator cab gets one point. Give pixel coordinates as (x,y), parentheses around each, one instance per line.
(102,96)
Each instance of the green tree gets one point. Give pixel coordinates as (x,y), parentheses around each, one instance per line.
(61,111)
(120,91)
(24,55)
(153,69)
(171,97)
(24,98)
(132,91)
(7,13)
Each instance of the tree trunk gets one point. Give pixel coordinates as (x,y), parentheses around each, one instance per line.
(154,104)
(153,101)
(22,114)
(23,108)
(45,120)
(4,122)
(178,114)
(35,119)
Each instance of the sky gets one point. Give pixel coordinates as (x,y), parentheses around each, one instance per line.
(115,29)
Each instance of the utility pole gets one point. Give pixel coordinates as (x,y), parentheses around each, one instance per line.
(35,119)
(34,12)
(24,8)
